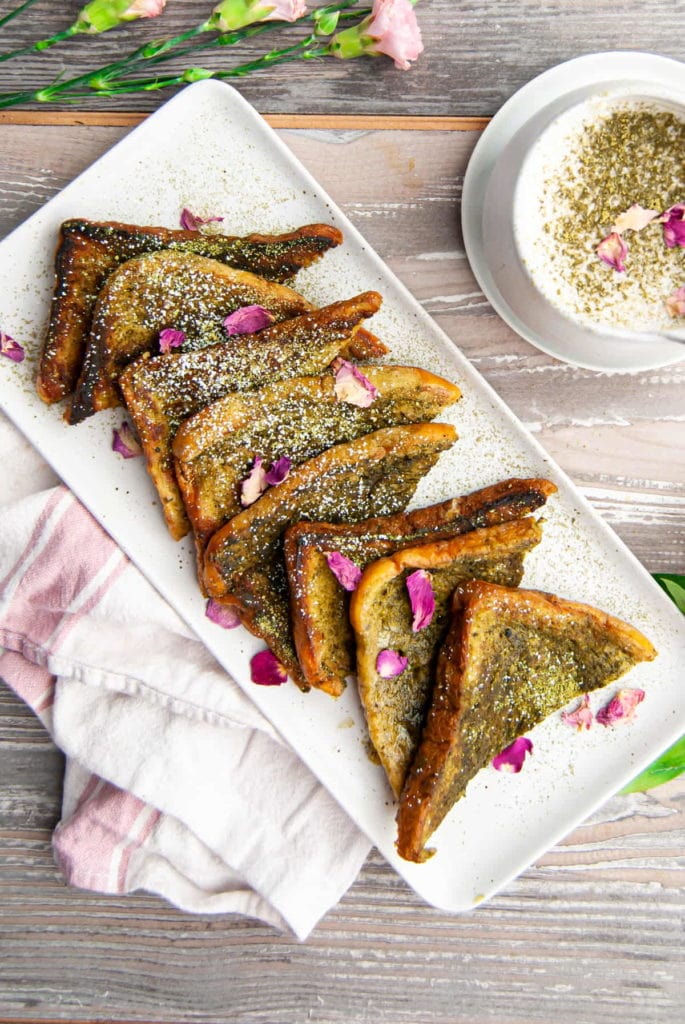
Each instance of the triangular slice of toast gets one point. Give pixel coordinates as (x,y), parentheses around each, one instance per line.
(510,659)
(381,617)
(89,251)
(300,418)
(373,475)
(163,391)
(162,290)
(319,605)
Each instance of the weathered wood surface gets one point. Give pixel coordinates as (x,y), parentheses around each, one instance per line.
(475,56)
(594,931)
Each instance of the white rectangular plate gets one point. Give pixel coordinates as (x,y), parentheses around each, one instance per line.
(209,150)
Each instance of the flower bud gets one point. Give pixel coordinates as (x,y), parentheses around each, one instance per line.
(235,14)
(102,15)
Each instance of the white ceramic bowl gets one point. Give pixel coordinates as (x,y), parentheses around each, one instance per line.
(495,197)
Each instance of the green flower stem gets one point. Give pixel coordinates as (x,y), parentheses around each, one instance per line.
(109,80)
(43,44)
(17,10)
(303,50)
(163,45)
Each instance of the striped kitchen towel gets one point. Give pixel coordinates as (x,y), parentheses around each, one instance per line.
(175,783)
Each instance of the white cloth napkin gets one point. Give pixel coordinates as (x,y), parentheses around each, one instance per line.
(175,782)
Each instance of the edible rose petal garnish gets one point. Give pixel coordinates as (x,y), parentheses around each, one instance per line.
(352,386)
(266,669)
(278,472)
(191,222)
(345,571)
(11,348)
(223,615)
(421,599)
(674,226)
(254,484)
(170,338)
(635,218)
(613,251)
(512,757)
(248,320)
(390,664)
(125,443)
(675,303)
(580,718)
(620,708)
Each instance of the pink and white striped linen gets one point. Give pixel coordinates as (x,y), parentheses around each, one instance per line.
(175,782)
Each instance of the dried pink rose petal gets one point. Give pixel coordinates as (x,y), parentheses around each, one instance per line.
(395,31)
(581,717)
(674,226)
(512,757)
(421,599)
(11,348)
(675,303)
(345,571)
(125,443)
(254,484)
(170,338)
(279,471)
(390,664)
(635,218)
(266,669)
(620,708)
(248,320)
(613,251)
(352,386)
(191,222)
(223,615)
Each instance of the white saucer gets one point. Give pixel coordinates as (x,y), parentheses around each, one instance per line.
(488,195)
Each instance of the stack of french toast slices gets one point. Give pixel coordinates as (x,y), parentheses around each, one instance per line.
(490,661)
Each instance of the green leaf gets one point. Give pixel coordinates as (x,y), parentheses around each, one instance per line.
(671,764)
(674,586)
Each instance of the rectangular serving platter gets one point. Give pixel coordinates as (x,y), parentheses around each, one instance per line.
(209,150)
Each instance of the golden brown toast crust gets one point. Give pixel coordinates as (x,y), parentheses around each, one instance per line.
(320,607)
(166,290)
(299,418)
(510,659)
(375,474)
(89,251)
(381,618)
(163,391)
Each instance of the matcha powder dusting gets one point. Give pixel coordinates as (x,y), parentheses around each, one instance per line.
(624,154)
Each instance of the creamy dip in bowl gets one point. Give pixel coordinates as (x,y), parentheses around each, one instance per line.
(547,184)
(595,162)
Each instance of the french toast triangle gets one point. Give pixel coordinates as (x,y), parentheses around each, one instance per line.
(381,617)
(372,475)
(510,659)
(162,391)
(319,605)
(162,290)
(298,418)
(89,251)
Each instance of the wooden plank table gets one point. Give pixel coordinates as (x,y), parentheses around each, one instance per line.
(594,931)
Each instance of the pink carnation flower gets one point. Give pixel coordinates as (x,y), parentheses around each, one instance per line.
(395,31)
(144,9)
